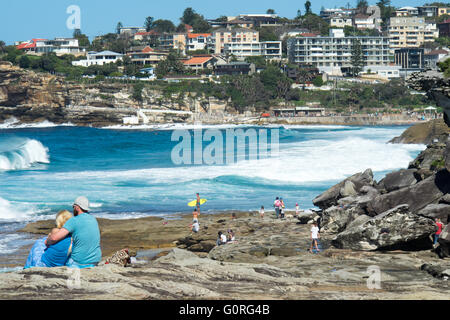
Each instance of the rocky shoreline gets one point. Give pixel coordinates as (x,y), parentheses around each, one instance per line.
(269,260)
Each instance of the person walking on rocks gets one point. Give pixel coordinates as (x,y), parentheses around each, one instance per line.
(198,203)
(315,236)
(282,207)
(195,214)
(277,205)
(297,209)
(261,212)
(438,232)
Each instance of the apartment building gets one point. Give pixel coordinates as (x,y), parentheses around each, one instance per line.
(428,11)
(336,50)
(270,50)
(197,41)
(410,58)
(220,37)
(406,12)
(328,13)
(340,22)
(443,10)
(406,32)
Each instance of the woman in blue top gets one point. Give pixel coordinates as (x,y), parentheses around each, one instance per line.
(55,255)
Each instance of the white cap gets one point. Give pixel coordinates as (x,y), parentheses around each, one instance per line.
(82,202)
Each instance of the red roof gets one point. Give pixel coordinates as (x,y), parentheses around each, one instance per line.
(309,34)
(197,60)
(196,35)
(29,45)
(146,33)
(147,49)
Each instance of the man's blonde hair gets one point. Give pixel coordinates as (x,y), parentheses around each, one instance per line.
(62,217)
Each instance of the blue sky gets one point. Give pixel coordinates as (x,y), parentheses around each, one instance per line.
(26,19)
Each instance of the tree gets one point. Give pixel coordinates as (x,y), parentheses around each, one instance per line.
(307,7)
(361,6)
(2,46)
(356,60)
(170,65)
(162,25)
(148,24)
(200,25)
(137,91)
(189,16)
(197,21)
(83,40)
(318,81)
(118,27)
(24,62)
(267,34)
(270,11)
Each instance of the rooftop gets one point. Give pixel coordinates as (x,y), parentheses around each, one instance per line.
(197,60)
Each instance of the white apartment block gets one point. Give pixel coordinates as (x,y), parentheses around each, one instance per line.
(340,22)
(336,50)
(98,58)
(59,46)
(220,37)
(197,41)
(406,11)
(270,50)
(407,32)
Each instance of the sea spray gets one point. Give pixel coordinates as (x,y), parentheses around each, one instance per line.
(17,154)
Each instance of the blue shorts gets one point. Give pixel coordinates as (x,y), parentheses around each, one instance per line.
(72,264)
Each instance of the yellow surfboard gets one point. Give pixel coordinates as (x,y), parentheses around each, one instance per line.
(194,202)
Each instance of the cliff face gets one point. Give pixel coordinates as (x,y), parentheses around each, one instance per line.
(436,86)
(34,97)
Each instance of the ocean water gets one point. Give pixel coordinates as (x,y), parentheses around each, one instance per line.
(131,173)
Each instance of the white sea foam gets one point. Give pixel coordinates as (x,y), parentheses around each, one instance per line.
(15,212)
(13,123)
(16,154)
(175,126)
(298,162)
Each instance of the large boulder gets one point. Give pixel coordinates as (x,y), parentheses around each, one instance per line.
(416,196)
(399,179)
(349,187)
(434,211)
(424,133)
(430,159)
(336,219)
(397,228)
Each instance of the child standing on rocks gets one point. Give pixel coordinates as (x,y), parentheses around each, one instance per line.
(314,237)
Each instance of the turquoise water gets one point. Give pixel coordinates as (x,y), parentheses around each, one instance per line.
(130,173)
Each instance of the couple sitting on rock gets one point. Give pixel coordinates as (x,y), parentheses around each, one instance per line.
(75,242)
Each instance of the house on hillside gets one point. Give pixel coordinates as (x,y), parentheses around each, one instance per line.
(98,58)
(145,55)
(59,46)
(200,62)
(234,68)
